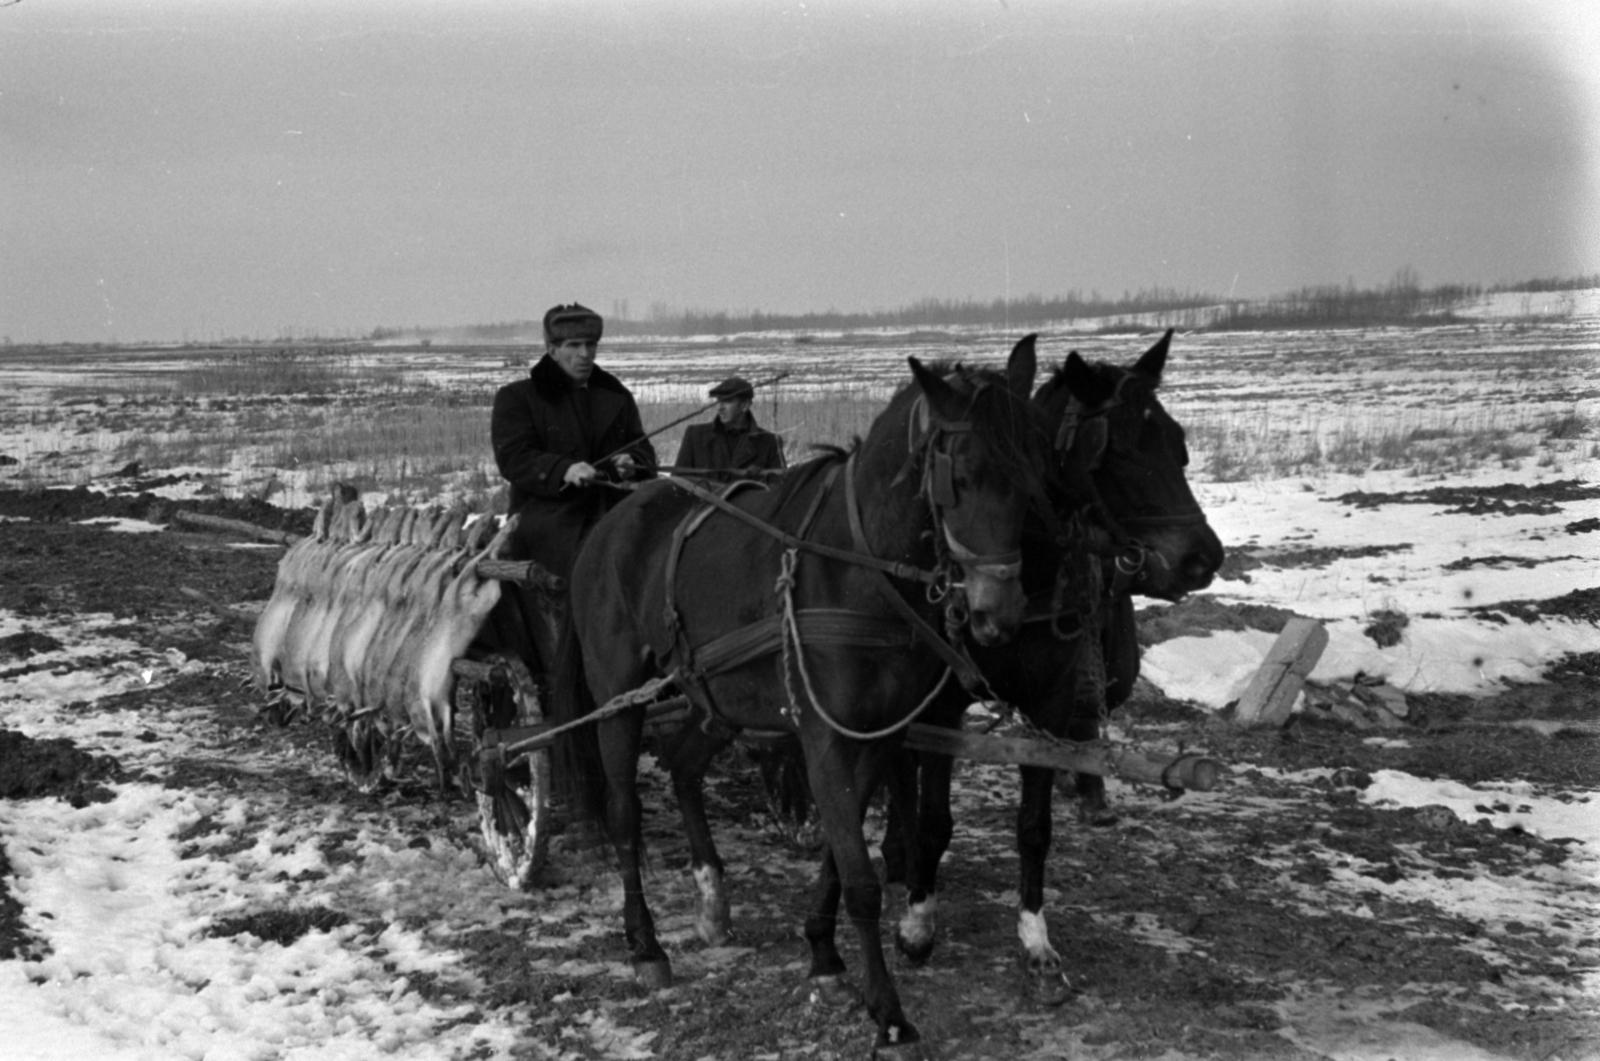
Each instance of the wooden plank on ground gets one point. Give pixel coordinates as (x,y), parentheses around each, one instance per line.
(1271,693)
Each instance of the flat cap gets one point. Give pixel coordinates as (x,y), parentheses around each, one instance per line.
(733,387)
(572,322)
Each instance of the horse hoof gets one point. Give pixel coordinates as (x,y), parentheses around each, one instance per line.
(835,992)
(1097,817)
(713,934)
(914,952)
(1048,987)
(899,1044)
(655,975)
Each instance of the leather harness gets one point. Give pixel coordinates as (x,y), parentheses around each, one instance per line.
(835,626)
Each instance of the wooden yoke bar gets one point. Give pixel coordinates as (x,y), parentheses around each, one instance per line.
(1193,772)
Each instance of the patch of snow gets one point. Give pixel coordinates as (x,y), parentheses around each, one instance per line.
(124,526)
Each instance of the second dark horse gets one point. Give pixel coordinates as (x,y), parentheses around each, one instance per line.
(1152,538)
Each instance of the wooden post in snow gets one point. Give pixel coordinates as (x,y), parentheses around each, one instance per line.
(1271,693)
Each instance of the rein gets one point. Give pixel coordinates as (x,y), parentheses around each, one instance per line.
(910,572)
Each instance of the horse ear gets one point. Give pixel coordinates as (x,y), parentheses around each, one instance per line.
(1084,383)
(1023,365)
(942,398)
(1155,358)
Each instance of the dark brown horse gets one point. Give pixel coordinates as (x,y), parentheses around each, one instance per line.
(823,605)
(1147,535)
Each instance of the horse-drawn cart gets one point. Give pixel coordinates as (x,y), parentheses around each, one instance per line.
(494,744)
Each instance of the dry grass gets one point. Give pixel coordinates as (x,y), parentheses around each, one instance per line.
(422,445)
(1233,445)
(414,426)
(288,370)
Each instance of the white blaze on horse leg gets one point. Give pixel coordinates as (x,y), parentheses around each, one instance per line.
(1035,937)
(715,923)
(920,922)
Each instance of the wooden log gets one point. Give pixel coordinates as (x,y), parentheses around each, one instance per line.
(237,526)
(528,572)
(1193,772)
(1270,696)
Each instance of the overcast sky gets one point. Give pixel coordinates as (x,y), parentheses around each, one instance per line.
(174,170)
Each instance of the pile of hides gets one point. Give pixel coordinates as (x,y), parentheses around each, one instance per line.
(369,612)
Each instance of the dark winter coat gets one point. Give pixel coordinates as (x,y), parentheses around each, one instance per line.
(716,447)
(543,425)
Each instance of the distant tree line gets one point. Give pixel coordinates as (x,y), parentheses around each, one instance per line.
(1402,300)
(1554,283)
(926,313)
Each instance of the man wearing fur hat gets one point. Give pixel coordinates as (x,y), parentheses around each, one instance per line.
(558,436)
(730,446)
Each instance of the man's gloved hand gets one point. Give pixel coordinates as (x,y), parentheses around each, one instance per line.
(626,468)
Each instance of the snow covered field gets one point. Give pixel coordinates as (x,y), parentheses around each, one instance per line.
(126,898)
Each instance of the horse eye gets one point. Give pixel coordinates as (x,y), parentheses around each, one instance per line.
(1149,414)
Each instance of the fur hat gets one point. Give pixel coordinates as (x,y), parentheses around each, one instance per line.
(572,322)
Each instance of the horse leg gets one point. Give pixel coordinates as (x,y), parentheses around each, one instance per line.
(1119,658)
(620,738)
(1033,848)
(841,781)
(917,930)
(1093,807)
(827,967)
(689,756)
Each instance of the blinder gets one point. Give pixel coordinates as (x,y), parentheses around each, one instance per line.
(942,482)
(939,486)
(1096,432)
(1092,431)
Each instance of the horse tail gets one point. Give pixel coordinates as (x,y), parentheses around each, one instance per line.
(579,770)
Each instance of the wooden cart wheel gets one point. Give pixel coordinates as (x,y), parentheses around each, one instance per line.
(359,745)
(512,795)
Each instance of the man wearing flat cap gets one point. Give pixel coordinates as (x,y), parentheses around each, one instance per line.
(730,446)
(558,436)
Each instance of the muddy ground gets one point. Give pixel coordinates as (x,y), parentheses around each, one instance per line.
(1203,927)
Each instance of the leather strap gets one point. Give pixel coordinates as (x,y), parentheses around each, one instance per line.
(957,660)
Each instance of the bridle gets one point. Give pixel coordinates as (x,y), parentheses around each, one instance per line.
(938,488)
(1082,425)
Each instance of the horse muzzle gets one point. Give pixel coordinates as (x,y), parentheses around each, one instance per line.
(992,586)
(994,604)
(1179,561)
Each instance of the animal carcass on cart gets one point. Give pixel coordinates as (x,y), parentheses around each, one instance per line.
(389,625)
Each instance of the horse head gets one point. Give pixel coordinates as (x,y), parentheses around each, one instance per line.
(978,444)
(1109,419)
